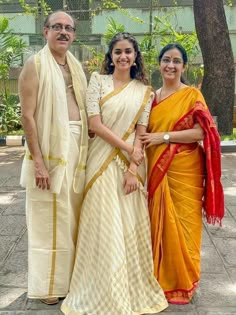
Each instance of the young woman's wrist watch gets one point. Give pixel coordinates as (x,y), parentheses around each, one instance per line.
(166,138)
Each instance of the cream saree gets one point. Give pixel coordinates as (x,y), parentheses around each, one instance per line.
(113,272)
(182,179)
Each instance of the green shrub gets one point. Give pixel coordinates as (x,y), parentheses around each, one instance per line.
(10,114)
(230,137)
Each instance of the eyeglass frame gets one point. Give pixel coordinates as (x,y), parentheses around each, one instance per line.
(167,61)
(68,28)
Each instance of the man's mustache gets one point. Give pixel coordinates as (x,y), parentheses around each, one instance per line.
(63,37)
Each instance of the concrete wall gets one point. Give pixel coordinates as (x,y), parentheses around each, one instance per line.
(21,24)
(180,17)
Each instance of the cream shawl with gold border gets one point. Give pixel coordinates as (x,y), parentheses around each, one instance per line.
(53,122)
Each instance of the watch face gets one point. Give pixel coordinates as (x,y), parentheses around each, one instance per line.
(166,137)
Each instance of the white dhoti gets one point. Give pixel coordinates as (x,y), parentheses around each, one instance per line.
(52,221)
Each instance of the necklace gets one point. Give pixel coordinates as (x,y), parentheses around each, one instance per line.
(171,91)
(63,65)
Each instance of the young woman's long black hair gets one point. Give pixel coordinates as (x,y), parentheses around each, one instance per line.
(137,71)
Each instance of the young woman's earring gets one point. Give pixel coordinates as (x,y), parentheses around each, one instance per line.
(134,64)
(112,64)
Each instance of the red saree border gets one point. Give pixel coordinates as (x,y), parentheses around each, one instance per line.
(161,166)
(213,200)
(160,169)
(186,295)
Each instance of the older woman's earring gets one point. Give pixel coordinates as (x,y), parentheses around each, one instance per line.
(134,64)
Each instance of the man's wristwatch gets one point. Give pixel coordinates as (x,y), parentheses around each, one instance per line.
(166,138)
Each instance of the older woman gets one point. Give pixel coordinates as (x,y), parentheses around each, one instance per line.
(183,177)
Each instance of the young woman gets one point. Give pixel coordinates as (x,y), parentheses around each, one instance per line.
(113,273)
(183,177)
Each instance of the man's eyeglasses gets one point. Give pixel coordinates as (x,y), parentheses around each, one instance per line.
(59,27)
(174,61)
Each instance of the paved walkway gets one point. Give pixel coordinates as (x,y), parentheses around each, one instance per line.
(216,294)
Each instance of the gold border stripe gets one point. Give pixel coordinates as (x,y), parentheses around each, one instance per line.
(49,158)
(116,150)
(114,92)
(54,245)
(145,99)
(101,170)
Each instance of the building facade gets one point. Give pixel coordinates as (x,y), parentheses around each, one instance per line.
(93,20)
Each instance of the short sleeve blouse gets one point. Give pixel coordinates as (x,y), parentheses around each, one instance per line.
(99,86)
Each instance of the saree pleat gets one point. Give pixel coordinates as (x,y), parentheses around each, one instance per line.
(176,181)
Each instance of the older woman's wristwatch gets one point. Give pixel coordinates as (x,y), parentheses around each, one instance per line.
(166,138)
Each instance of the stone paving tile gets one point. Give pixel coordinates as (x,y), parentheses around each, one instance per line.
(228,229)
(228,214)
(12,298)
(216,290)
(227,248)
(13,181)
(17,207)
(33,304)
(230,194)
(178,313)
(178,309)
(55,312)
(22,241)
(3,180)
(232,211)
(217,311)
(206,241)
(232,274)
(228,161)
(211,262)
(226,182)
(11,225)
(14,271)
(6,244)
(6,199)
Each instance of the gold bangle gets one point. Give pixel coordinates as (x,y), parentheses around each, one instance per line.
(131,172)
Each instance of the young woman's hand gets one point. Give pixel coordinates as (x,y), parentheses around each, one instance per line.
(130,183)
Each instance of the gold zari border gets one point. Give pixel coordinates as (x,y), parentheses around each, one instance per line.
(125,136)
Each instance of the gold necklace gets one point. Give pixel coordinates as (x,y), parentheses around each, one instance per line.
(172,92)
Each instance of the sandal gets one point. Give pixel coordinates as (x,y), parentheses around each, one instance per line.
(50,301)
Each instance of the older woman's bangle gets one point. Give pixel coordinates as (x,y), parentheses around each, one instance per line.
(131,172)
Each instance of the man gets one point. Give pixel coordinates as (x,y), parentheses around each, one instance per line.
(52,88)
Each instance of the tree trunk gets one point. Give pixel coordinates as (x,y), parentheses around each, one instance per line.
(218,81)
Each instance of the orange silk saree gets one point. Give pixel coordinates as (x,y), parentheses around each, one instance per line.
(182,179)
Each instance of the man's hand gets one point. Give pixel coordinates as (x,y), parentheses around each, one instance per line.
(41,176)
